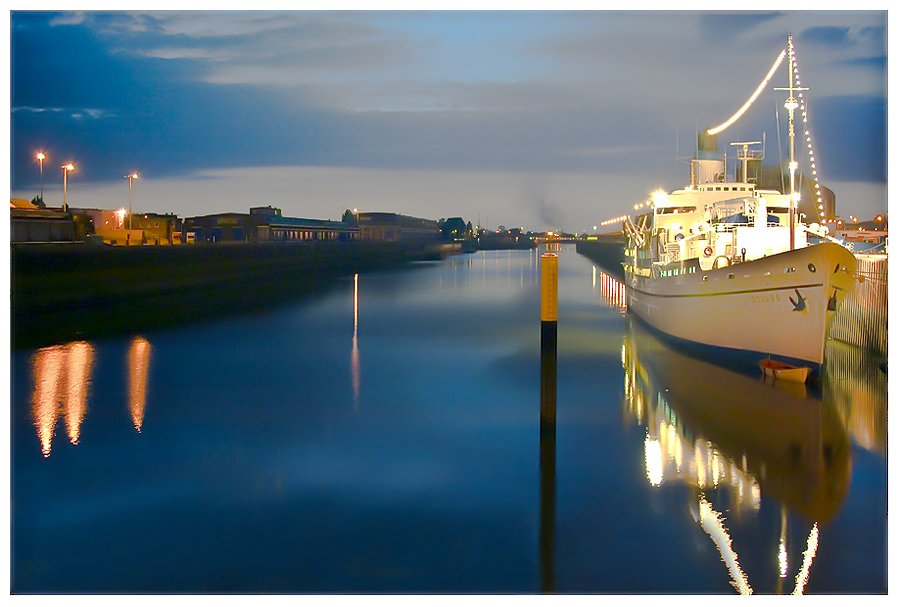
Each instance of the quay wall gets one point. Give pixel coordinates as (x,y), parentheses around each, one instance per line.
(607,252)
(65,290)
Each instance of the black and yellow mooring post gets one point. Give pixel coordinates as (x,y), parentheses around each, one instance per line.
(547,532)
(549,299)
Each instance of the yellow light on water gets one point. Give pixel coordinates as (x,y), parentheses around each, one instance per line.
(78,377)
(812,544)
(653,461)
(48,365)
(711,522)
(138,367)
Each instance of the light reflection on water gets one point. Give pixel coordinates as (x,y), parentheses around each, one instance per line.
(384,438)
(62,379)
(62,376)
(138,367)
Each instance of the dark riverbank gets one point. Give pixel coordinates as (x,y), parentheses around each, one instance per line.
(65,292)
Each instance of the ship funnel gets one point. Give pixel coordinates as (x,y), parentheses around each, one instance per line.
(708,166)
(706,143)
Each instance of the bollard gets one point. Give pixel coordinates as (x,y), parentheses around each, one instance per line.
(547,531)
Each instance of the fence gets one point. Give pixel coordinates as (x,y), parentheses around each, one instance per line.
(862,318)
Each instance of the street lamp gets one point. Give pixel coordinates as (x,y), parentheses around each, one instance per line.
(130,177)
(66,168)
(40,158)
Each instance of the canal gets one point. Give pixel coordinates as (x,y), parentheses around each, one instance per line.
(383,437)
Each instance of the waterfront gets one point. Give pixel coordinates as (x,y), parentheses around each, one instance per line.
(383,437)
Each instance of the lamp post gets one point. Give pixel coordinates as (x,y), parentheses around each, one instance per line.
(66,168)
(40,158)
(130,177)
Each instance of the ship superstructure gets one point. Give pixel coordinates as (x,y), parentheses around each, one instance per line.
(725,264)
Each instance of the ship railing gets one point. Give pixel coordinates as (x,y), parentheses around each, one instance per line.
(731,227)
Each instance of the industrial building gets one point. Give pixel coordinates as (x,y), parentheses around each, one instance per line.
(28,223)
(157,228)
(265,224)
(393,226)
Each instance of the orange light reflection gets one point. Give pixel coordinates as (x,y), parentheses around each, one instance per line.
(62,376)
(47,367)
(138,365)
(78,378)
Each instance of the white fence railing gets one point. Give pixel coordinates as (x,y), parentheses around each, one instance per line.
(862,318)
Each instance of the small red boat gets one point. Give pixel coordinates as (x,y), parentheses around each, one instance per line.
(781,370)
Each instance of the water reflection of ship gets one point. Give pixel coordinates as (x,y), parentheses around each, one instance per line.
(738,428)
(62,378)
(713,429)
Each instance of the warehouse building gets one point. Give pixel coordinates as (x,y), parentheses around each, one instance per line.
(28,223)
(393,226)
(265,224)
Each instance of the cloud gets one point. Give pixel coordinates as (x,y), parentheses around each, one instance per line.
(69,18)
(827,35)
(78,113)
(726,25)
(282,49)
(589,95)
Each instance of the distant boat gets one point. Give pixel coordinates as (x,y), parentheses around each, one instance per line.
(727,265)
(781,370)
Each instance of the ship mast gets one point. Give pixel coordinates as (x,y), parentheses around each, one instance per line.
(791,104)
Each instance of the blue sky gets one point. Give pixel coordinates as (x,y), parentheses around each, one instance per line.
(540,119)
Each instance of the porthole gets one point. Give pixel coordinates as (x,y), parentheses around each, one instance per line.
(731,275)
(789,269)
(812,268)
(705,278)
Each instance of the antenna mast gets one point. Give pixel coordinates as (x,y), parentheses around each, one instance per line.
(791,105)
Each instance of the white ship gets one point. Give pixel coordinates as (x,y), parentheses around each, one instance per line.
(727,265)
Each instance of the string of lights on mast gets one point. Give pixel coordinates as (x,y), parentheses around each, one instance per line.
(820,205)
(794,79)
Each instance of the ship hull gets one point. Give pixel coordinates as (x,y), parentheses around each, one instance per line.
(779,306)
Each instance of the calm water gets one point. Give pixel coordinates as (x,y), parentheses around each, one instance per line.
(385,438)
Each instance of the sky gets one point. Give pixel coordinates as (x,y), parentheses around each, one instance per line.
(536,119)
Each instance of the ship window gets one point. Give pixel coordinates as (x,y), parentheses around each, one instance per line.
(705,278)
(812,268)
(789,269)
(731,275)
